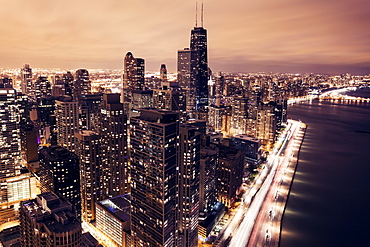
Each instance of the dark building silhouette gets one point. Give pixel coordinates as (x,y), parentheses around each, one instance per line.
(163,73)
(230,174)
(183,67)
(183,78)
(29,144)
(68,79)
(199,65)
(60,173)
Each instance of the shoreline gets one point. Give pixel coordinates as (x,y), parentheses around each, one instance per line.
(290,181)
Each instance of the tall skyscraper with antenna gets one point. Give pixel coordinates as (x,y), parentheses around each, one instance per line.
(199,63)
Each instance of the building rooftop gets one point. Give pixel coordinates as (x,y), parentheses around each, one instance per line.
(56,153)
(158,116)
(247,138)
(10,235)
(56,214)
(228,153)
(118,206)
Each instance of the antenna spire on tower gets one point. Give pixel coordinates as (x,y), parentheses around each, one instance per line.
(196,13)
(202,15)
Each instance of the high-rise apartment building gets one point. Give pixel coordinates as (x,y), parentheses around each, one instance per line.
(140,99)
(133,75)
(10,150)
(208,180)
(88,151)
(82,84)
(59,173)
(215,116)
(154,163)
(42,87)
(184,67)
(49,221)
(89,111)
(68,79)
(67,122)
(188,181)
(262,124)
(230,174)
(114,147)
(183,78)
(26,81)
(239,115)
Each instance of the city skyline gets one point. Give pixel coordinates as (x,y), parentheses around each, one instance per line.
(243,36)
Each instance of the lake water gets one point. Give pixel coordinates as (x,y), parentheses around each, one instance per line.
(329,204)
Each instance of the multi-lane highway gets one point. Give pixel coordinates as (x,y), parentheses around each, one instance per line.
(257,222)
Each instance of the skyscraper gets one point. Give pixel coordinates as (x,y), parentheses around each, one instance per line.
(208,180)
(189,169)
(192,68)
(59,173)
(89,111)
(42,88)
(133,75)
(88,150)
(183,78)
(58,88)
(154,164)
(67,122)
(10,158)
(183,67)
(26,81)
(82,84)
(199,65)
(239,115)
(114,148)
(68,83)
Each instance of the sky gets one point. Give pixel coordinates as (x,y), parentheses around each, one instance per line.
(296,36)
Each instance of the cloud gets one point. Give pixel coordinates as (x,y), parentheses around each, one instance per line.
(50,33)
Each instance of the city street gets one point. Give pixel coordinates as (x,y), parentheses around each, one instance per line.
(257,222)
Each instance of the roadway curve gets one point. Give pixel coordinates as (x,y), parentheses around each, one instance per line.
(256,226)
